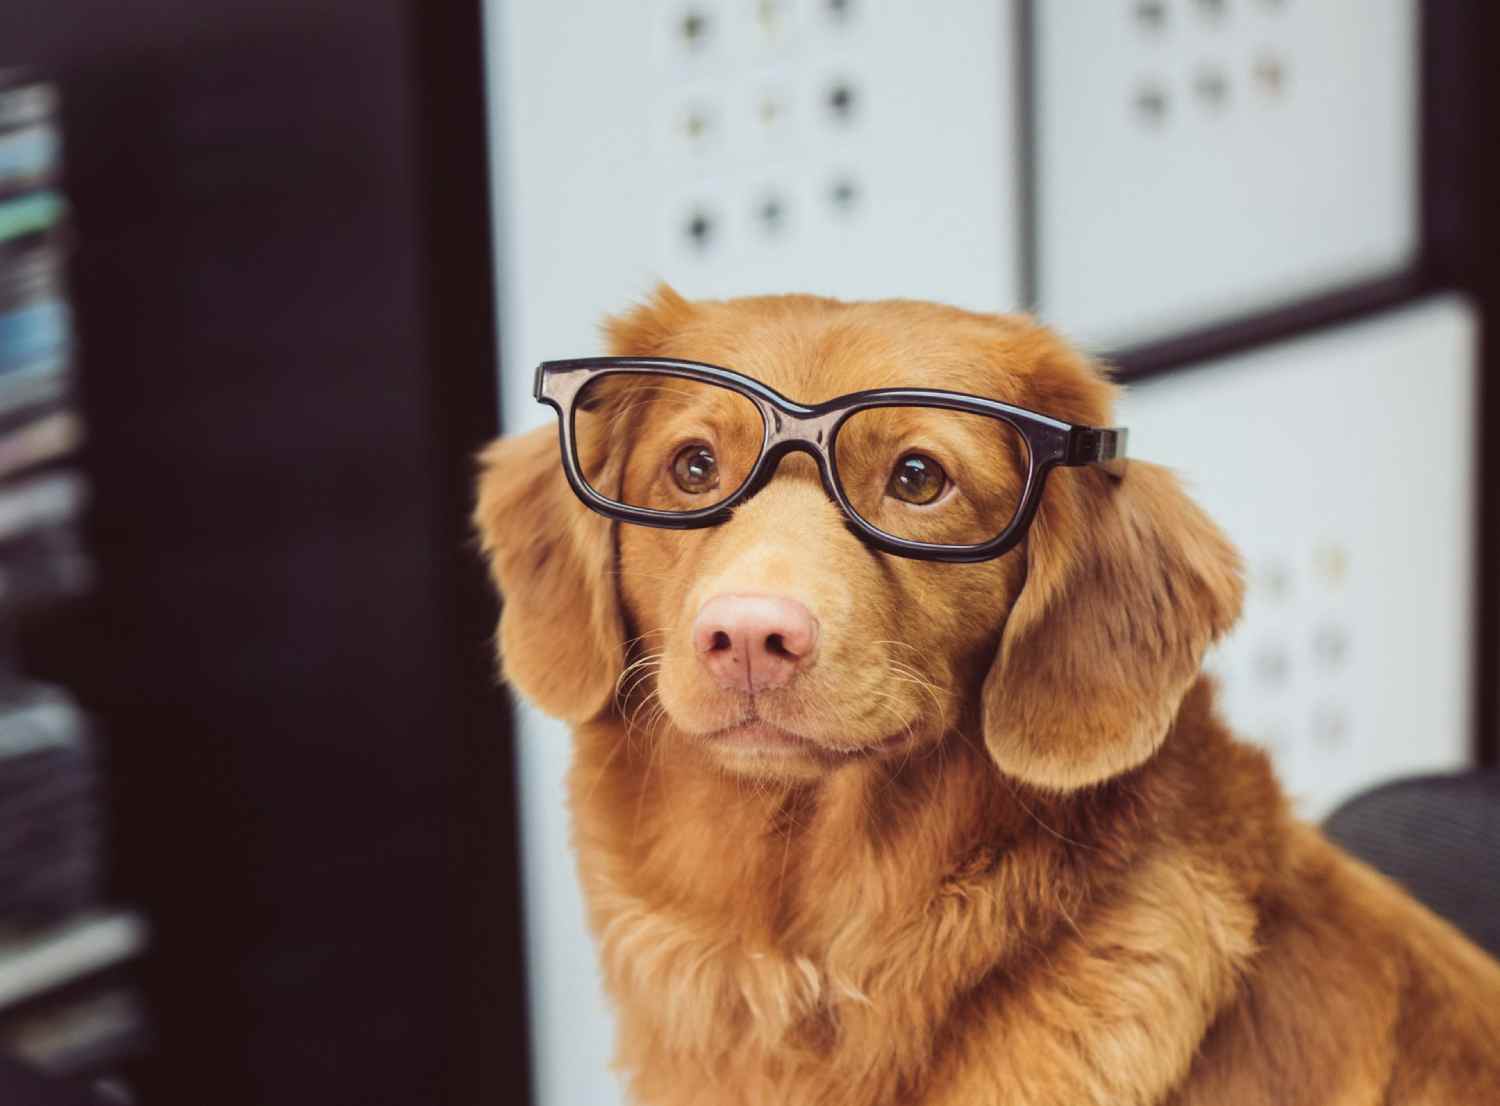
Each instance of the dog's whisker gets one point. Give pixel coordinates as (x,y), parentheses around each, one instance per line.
(650,701)
(883,697)
(633,679)
(637,682)
(658,711)
(888,703)
(658,719)
(642,637)
(926,687)
(935,691)
(915,673)
(646,660)
(632,723)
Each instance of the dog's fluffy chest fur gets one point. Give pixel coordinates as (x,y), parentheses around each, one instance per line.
(926,939)
(882,940)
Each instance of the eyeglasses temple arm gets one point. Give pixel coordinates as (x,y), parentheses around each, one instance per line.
(1088,445)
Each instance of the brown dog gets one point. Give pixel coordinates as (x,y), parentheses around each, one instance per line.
(860,829)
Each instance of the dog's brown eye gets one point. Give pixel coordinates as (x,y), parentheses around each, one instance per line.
(695,469)
(917,479)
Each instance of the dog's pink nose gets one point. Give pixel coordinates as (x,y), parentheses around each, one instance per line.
(754,642)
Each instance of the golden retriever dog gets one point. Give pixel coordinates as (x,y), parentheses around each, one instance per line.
(862,828)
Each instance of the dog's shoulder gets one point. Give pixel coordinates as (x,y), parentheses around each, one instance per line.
(1355,987)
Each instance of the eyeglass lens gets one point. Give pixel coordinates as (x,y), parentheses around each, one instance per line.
(923,474)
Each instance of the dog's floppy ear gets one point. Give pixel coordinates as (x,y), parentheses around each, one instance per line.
(562,641)
(562,636)
(1127,584)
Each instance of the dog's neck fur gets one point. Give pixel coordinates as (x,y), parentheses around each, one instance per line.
(833,942)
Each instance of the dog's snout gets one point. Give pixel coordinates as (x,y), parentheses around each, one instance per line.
(754,643)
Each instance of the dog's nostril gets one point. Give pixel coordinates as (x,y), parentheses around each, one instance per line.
(753,643)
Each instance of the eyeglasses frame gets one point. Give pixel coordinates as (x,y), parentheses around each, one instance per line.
(790,427)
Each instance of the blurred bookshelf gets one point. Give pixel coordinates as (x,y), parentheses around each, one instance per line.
(68,1003)
(281,296)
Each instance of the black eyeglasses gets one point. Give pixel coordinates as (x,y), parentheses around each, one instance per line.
(934,475)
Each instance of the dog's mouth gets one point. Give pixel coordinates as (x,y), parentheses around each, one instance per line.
(753,736)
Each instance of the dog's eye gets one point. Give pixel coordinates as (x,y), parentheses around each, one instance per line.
(917,479)
(695,469)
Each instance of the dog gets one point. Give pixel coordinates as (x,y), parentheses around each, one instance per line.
(862,828)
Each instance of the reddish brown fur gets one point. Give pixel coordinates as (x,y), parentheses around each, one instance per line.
(1071,885)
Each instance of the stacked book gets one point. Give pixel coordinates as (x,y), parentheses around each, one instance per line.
(63,1004)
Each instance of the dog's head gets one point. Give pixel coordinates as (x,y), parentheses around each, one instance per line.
(779,644)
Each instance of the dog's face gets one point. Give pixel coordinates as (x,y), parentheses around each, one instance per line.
(780,645)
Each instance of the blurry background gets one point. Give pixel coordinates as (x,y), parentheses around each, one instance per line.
(271,270)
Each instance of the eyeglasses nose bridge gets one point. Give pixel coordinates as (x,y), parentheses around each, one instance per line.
(813,430)
(789,432)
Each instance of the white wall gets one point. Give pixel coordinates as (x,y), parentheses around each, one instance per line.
(1342,465)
